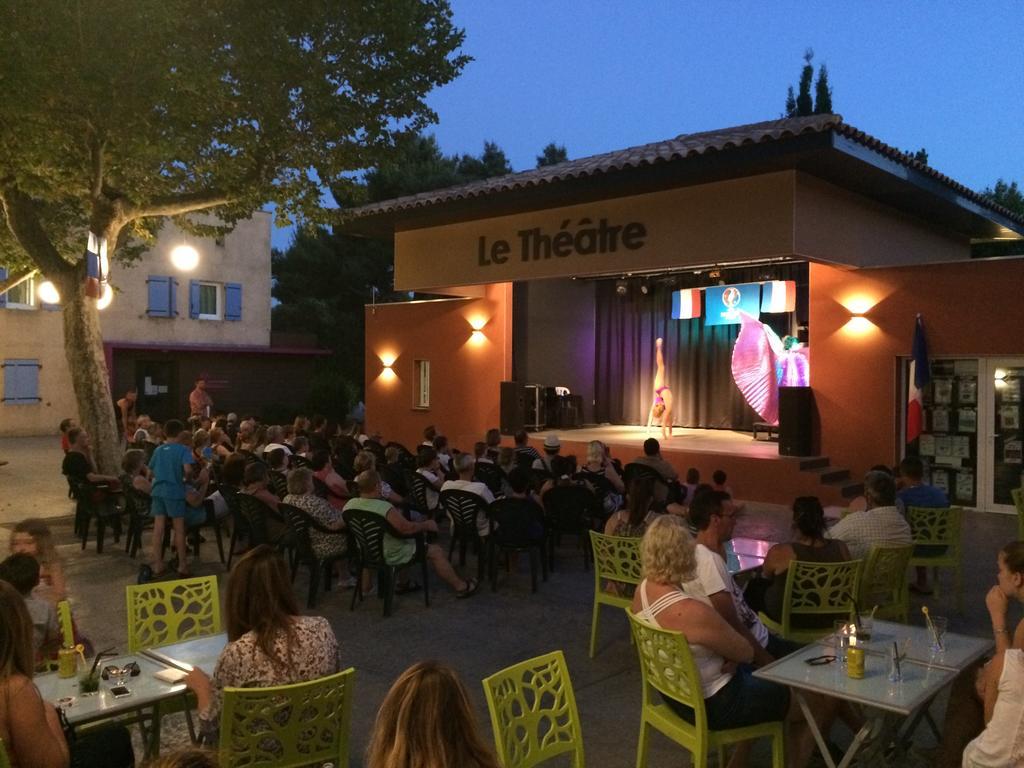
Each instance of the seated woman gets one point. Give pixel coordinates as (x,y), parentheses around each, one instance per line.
(599,473)
(337,489)
(301,495)
(427,721)
(365,460)
(661,409)
(32,536)
(639,511)
(270,642)
(810,546)
(30,727)
(733,697)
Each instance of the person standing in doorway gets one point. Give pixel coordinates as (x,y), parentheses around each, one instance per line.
(126,413)
(199,401)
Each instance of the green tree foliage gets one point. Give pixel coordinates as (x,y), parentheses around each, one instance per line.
(1007,195)
(324,280)
(552,154)
(921,156)
(801,103)
(117,113)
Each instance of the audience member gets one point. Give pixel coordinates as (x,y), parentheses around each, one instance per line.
(441,446)
(507,459)
(718,482)
(600,476)
(30,727)
(859,503)
(524,448)
(552,446)
(692,481)
(914,492)
(220,445)
(136,472)
(365,460)
(337,489)
(652,458)
(66,425)
(276,440)
(429,466)
(301,426)
(427,721)
(22,573)
(429,433)
(733,697)
(480,454)
(300,446)
(493,441)
(639,511)
(713,515)
(126,412)
(32,536)
(270,642)
(811,545)
(79,466)
(880,523)
(300,495)
(465,466)
(400,549)
(172,466)
(199,401)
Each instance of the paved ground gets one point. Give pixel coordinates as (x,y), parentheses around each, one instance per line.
(477,636)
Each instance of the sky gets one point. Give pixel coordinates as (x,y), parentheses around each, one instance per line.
(598,75)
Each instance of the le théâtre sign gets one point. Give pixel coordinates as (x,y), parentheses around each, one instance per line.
(575,237)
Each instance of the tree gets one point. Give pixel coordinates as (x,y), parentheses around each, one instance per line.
(1007,195)
(552,154)
(801,104)
(921,156)
(145,109)
(491,163)
(822,93)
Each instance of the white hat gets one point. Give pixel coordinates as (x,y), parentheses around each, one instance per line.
(552,442)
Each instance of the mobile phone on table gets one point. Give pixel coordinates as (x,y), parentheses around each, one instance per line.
(120,691)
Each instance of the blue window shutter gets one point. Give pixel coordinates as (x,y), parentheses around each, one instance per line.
(232,301)
(193,299)
(3,296)
(21,382)
(160,296)
(172,289)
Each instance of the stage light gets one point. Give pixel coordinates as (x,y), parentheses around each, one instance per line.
(185,258)
(645,287)
(621,287)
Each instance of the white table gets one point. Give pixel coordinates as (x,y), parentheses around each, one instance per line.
(925,675)
(745,556)
(201,652)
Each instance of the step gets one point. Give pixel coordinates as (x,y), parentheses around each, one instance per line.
(813,462)
(851,490)
(831,475)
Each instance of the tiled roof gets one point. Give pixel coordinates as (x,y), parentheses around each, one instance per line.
(681,147)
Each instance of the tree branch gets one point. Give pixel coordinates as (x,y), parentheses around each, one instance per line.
(175,205)
(23,221)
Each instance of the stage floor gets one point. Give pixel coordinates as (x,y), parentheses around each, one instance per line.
(717,441)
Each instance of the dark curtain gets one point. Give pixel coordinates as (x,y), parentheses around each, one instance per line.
(698,358)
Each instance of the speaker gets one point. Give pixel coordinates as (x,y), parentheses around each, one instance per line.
(512,407)
(796,421)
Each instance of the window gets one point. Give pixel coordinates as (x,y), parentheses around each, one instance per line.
(23,295)
(205,300)
(162,293)
(422,396)
(21,382)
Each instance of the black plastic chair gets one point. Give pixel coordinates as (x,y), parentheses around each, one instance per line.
(297,461)
(259,515)
(368,530)
(635,471)
(301,524)
(517,525)
(405,457)
(137,506)
(95,501)
(462,508)
(278,483)
(394,475)
(570,509)
(490,475)
(239,525)
(417,485)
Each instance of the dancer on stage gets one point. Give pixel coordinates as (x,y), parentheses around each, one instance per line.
(661,409)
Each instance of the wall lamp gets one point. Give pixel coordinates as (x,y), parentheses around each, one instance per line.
(477,323)
(387,361)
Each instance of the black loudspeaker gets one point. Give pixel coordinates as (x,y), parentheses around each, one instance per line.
(796,421)
(512,407)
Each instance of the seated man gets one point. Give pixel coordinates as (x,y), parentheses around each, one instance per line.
(398,550)
(78,465)
(914,492)
(465,465)
(428,465)
(552,446)
(880,523)
(493,442)
(652,458)
(524,448)
(481,454)
(713,515)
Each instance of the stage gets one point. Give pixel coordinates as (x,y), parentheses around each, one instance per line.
(754,468)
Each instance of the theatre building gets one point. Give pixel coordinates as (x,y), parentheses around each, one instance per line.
(564,276)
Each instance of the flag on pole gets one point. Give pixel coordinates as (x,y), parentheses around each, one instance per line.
(920,375)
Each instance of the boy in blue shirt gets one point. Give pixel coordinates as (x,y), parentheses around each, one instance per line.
(914,492)
(171,464)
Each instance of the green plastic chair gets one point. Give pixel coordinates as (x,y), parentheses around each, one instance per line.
(165,612)
(935,527)
(616,558)
(1018,502)
(533,712)
(4,760)
(815,589)
(288,725)
(667,667)
(884,582)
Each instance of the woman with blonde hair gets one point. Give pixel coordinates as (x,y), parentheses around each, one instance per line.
(733,697)
(426,721)
(270,642)
(32,536)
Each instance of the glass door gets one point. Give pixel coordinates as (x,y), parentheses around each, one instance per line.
(1003,379)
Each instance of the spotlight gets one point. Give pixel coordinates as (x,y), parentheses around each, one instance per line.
(714,274)
(621,287)
(645,287)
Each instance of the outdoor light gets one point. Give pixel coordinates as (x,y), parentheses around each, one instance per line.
(387,360)
(477,323)
(185,258)
(48,293)
(106,297)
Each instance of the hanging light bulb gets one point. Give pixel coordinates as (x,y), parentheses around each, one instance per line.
(106,297)
(185,258)
(48,293)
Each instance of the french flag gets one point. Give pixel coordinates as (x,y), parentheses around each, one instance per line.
(920,375)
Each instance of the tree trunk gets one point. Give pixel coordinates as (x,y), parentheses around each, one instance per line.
(83,348)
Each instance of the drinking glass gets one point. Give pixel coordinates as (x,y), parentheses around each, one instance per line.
(867,625)
(896,666)
(841,635)
(89,682)
(939,624)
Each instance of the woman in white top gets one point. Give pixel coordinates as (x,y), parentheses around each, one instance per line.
(733,697)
